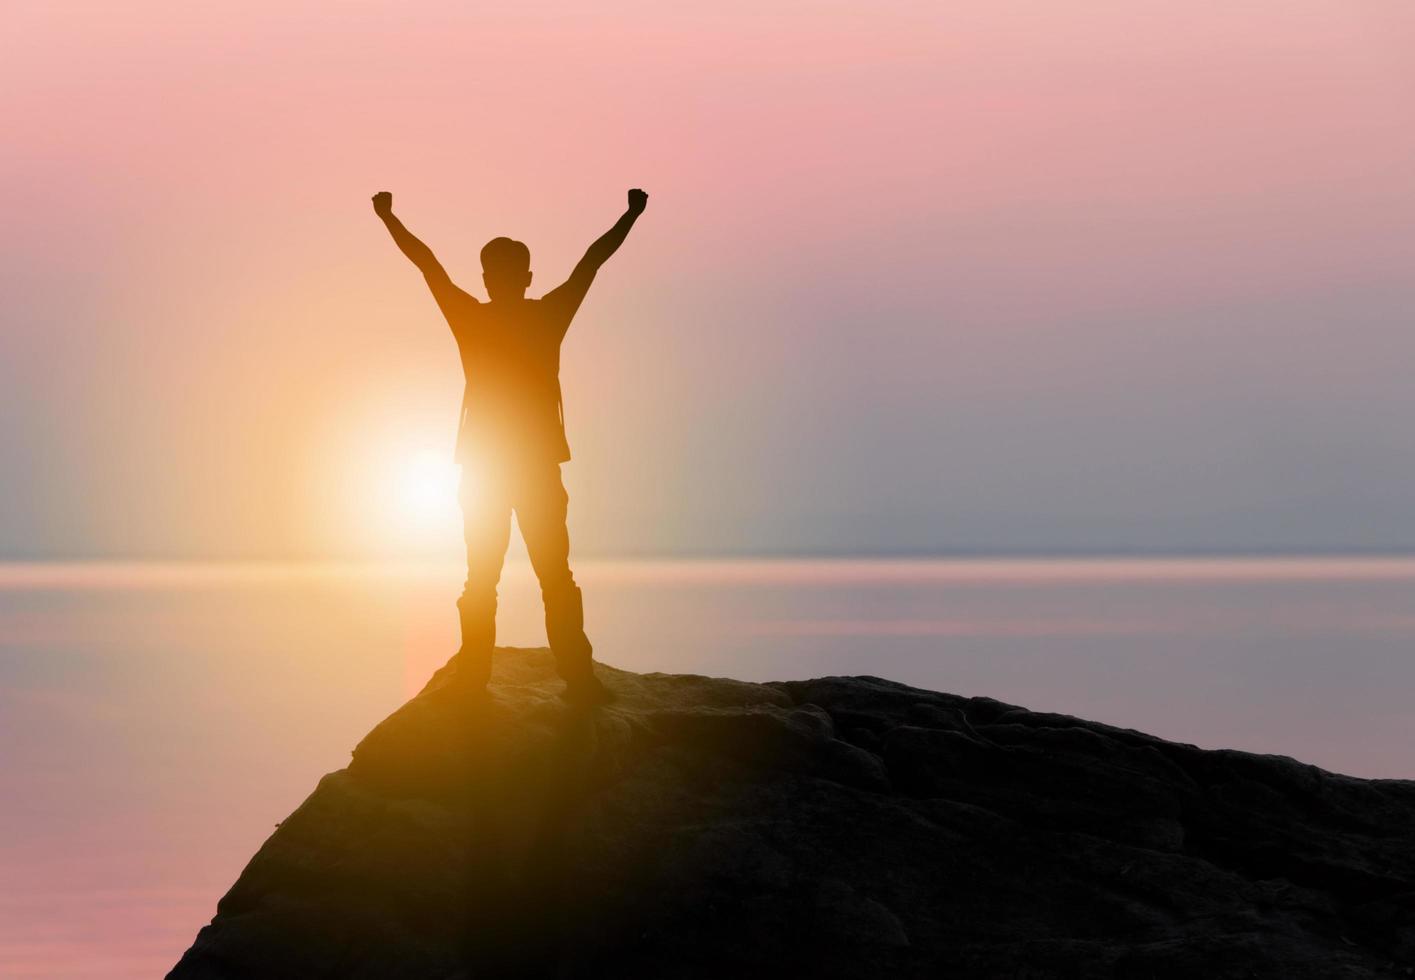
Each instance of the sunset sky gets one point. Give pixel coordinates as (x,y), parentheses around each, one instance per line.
(923,277)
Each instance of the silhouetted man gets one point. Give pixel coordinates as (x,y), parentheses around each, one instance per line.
(511,440)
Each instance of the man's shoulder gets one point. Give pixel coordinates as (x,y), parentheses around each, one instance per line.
(454,299)
(463,309)
(552,309)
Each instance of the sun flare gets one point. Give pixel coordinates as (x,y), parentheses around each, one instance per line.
(426,487)
(423,490)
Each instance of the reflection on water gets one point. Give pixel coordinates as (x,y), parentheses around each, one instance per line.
(157,720)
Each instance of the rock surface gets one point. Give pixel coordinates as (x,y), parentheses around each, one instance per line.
(841,827)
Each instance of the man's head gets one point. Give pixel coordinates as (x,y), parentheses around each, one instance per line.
(506,268)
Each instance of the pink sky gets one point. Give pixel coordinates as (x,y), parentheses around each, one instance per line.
(906,266)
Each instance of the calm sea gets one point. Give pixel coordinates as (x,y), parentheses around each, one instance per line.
(157,720)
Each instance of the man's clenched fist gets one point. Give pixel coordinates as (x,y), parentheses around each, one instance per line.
(638,200)
(383,203)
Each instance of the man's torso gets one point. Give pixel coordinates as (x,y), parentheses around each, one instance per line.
(511,410)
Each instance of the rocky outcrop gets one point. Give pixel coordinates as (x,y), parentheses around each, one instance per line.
(841,827)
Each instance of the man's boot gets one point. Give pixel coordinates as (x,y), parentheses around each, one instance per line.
(478,640)
(574,657)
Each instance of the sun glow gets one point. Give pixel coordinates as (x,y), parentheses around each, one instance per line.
(422,490)
(426,487)
(401,499)
(381,476)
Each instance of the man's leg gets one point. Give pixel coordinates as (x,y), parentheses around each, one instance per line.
(486,526)
(541,504)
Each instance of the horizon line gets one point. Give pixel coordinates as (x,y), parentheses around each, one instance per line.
(728,556)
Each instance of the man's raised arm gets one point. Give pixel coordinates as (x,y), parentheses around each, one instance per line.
(572,291)
(419,254)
